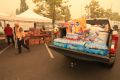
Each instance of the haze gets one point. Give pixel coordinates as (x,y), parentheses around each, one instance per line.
(77,8)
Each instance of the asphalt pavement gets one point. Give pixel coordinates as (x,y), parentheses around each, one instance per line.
(38,65)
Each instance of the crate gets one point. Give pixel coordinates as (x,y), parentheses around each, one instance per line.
(48,39)
(36,41)
(31,42)
(42,41)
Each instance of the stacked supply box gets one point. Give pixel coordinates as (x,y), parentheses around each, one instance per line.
(38,37)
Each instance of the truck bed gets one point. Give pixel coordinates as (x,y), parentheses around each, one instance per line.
(81,55)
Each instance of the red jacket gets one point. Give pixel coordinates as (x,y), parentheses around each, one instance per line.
(8,31)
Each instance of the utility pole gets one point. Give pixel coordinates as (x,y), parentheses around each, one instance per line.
(110,8)
(53,14)
(81,8)
(111,4)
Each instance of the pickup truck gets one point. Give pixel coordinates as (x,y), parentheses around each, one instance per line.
(111,43)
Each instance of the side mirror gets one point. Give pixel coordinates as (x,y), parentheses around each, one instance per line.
(115,27)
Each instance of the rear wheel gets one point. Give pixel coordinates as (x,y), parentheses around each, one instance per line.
(72,61)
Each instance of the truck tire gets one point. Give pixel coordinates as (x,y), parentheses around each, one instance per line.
(111,63)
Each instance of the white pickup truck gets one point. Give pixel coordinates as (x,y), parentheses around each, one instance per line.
(111,43)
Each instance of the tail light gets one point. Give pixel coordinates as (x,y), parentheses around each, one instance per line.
(114,43)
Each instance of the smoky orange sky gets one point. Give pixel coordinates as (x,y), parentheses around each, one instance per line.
(77,8)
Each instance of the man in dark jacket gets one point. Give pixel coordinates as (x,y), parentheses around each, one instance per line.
(9,34)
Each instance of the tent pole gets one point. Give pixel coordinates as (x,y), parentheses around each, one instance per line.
(35,25)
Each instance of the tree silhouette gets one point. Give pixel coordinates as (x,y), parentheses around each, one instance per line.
(23,7)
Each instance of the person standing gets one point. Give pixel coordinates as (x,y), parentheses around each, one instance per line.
(56,32)
(9,34)
(16,29)
(20,35)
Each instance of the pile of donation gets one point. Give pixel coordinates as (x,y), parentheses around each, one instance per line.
(37,36)
(84,37)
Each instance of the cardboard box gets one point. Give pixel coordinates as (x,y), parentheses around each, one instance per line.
(31,41)
(48,39)
(36,41)
(42,41)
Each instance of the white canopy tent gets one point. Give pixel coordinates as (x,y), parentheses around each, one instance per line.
(25,19)
(4,16)
(31,16)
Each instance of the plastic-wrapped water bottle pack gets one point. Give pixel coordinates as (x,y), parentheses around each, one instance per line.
(95,46)
(87,47)
(72,36)
(59,44)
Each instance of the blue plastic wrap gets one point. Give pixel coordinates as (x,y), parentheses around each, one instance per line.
(89,48)
(71,46)
(80,48)
(63,45)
